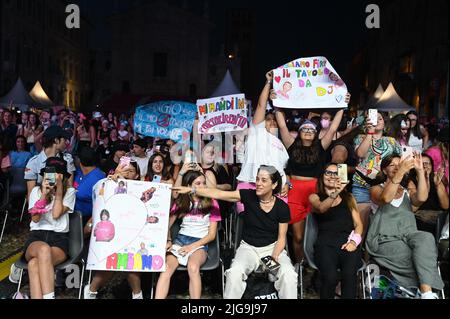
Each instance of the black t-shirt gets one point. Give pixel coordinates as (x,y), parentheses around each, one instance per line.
(109,166)
(306,170)
(261,228)
(335,225)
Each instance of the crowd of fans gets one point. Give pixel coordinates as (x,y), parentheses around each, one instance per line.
(282,179)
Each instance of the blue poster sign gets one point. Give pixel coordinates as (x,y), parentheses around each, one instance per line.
(166,119)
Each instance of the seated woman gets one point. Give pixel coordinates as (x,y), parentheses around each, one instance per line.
(340,230)
(48,242)
(393,239)
(128,172)
(199,217)
(266,221)
(437,202)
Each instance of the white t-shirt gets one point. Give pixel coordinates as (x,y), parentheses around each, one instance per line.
(142,163)
(195,224)
(262,148)
(47,222)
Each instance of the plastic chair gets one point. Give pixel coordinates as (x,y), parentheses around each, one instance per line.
(212,262)
(309,239)
(76,244)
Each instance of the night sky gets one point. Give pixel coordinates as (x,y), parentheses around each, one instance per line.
(286,30)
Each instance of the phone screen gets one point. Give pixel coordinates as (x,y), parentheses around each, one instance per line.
(373,117)
(50,175)
(342,173)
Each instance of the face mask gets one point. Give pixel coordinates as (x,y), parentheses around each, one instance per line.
(325,123)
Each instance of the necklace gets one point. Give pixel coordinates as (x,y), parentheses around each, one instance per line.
(266,202)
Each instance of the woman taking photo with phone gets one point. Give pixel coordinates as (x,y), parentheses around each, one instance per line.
(393,239)
(157,170)
(340,230)
(266,219)
(48,242)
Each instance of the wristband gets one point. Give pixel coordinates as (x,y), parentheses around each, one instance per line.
(355,238)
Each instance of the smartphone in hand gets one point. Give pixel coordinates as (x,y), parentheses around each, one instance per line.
(407,151)
(50,175)
(156,179)
(343,173)
(270,264)
(373,117)
(125,161)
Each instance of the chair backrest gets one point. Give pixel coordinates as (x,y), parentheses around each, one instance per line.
(18,183)
(4,193)
(213,260)
(309,239)
(76,237)
(238,231)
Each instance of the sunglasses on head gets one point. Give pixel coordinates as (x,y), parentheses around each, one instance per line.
(308,130)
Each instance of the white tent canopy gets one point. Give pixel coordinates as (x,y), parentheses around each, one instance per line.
(18,97)
(38,94)
(226,87)
(392,102)
(375,97)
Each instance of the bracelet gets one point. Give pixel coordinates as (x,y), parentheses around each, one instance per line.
(269,82)
(355,237)
(395,182)
(193,191)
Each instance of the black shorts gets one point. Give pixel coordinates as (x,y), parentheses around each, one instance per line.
(60,240)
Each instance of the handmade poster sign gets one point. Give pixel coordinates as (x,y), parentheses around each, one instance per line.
(309,83)
(167,120)
(222,114)
(130,222)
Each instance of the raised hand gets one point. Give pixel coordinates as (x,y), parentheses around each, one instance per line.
(418,162)
(269,76)
(348,96)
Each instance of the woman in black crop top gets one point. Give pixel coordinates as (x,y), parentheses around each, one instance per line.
(306,160)
(340,229)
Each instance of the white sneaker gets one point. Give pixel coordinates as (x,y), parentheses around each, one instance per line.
(429,295)
(138,296)
(14,274)
(88,294)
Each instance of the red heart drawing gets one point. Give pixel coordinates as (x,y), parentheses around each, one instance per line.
(278,79)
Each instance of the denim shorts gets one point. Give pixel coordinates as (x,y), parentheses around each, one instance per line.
(183,240)
(361,194)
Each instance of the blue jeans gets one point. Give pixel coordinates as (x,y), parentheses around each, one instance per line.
(361,194)
(183,240)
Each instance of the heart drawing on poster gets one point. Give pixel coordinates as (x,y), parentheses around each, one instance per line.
(278,79)
(128,216)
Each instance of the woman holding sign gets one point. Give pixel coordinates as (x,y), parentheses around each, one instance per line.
(306,160)
(127,172)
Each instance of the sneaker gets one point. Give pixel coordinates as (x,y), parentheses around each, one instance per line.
(88,294)
(14,274)
(429,295)
(138,296)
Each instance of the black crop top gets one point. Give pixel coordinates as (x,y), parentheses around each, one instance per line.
(306,170)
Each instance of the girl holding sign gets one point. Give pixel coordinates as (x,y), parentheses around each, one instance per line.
(127,172)
(306,160)
(199,217)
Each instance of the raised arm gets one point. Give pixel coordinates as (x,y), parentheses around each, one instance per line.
(328,138)
(233,196)
(286,137)
(419,194)
(260,113)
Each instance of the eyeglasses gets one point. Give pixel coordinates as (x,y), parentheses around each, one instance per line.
(330,173)
(308,130)
(426,164)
